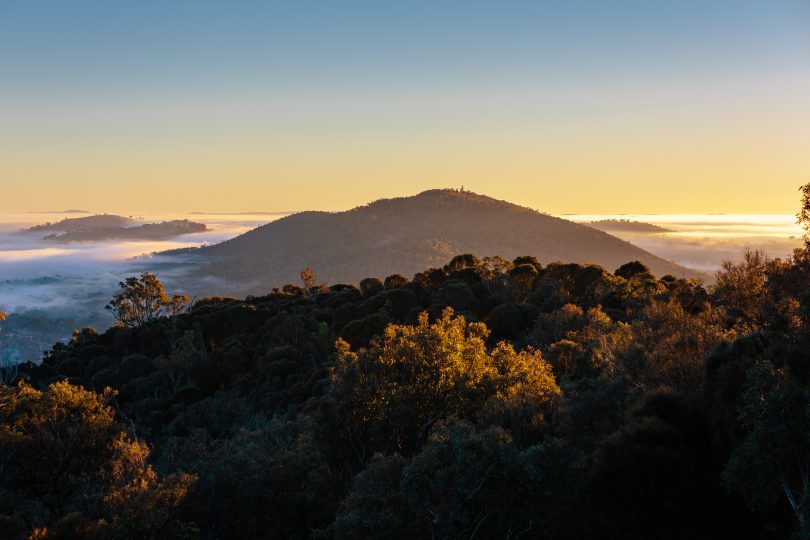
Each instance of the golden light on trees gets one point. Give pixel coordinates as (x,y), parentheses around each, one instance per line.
(143,299)
(394,392)
(69,468)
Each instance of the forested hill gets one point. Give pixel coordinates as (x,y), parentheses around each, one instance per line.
(102,221)
(406,235)
(485,399)
(104,227)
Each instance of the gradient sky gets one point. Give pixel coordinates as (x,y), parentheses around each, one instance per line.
(565,106)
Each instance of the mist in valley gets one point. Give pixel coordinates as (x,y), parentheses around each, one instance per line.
(704,241)
(49,290)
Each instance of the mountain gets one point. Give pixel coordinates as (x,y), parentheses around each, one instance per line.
(102,221)
(627,226)
(110,227)
(408,234)
(147,231)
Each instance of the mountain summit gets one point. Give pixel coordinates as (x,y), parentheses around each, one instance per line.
(405,235)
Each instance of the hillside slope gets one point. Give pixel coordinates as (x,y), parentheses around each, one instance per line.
(103,227)
(627,226)
(406,235)
(101,221)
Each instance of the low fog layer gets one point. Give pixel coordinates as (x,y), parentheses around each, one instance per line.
(704,241)
(50,290)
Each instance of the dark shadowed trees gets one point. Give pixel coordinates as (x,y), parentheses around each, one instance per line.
(664,410)
(523,279)
(371,286)
(772,464)
(628,270)
(395,281)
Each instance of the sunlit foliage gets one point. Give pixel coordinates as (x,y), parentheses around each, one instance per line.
(143,299)
(483,398)
(69,469)
(393,393)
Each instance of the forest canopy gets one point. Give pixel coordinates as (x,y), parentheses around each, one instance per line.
(485,398)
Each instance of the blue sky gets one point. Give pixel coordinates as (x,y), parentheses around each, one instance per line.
(506,95)
(201,46)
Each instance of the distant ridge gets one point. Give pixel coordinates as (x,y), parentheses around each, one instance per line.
(70,211)
(262,213)
(111,227)
(99,221)
(627,226)
(408,234)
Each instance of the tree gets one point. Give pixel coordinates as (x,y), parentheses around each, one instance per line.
(740,290)
(464,483)
(308,277)
(468,483)
(8,368)
(460,262)
(772,463)
(393,393)
(431,279)
(640,290)
(374,507)
(803,217)
(142,300)
(628,270)
(493,271)
(523,279)
(311,288)
(69,469)
(671,347)
(267,481)
(371,286)
(395,281)
(654,476)
(526,259)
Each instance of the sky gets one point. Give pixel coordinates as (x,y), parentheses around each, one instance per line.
(687,106)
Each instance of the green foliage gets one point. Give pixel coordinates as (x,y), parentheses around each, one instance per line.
(431,278)
(672,345)
(142,300)
(771,463)
(69,470)
(523,277)
(483,398)
(653,476)
(371,286)
(375,507)
(395,281)
(392,394)
(740,291)
(461,262)
(465,482)
(803,217)
(628,270)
